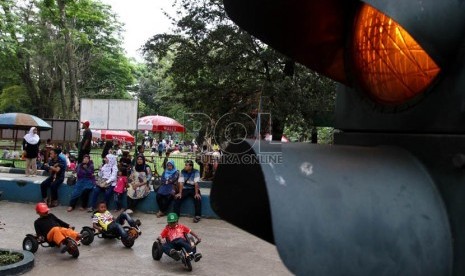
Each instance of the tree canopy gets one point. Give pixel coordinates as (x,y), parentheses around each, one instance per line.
(207,73)
(216,68)
(60,51)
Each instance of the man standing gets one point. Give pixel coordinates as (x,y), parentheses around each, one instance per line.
(189,187)
(85,145)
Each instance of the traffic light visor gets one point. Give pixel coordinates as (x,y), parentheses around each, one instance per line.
(389,64)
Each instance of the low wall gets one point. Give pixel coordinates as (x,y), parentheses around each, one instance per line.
(18,188)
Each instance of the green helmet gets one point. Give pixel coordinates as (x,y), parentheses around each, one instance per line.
(172,217)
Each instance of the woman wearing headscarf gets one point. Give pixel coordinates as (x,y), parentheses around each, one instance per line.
(31,144)
(106,149)
(165,193)
(84,184)
(108,174)
(138,183)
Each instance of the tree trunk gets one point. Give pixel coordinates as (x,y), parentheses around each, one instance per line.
(314,138)
(64,106)
(25,75)
(45,90)
(70,60)
(277,129)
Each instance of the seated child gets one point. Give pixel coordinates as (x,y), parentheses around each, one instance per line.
(120,188)
(53,229)
(72,166)
(173,234)
(103,220)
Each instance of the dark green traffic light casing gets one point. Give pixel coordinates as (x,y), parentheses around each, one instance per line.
(387,198)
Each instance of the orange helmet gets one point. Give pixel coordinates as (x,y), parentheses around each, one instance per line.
(42,208)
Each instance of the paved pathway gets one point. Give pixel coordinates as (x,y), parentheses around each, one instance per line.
(227,250)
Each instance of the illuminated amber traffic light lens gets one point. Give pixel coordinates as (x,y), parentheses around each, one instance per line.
(390,64)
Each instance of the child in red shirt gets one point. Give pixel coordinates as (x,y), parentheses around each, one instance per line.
(174,236)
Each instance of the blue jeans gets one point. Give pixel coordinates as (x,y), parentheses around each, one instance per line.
(186,193)
(96,192)
(118,198)
(82,188)
(177,244)
(164,202)
(116,227)
(53,184)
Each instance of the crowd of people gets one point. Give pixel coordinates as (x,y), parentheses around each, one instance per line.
(124,180)
(120,179)
(49,228)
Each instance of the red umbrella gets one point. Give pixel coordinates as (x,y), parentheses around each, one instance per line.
(159,124)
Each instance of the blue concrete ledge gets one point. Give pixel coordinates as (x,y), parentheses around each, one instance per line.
(18,188)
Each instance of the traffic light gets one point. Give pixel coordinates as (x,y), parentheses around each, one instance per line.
(387,198)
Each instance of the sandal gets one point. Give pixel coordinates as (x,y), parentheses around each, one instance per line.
(54,203)
(69,209)
(196,219)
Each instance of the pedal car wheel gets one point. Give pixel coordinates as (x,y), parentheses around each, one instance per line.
(30,244)
(186,261)
(127,242)
(73,249)
(157,250)
(87,236)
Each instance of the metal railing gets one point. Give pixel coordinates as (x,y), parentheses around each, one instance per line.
(152,161)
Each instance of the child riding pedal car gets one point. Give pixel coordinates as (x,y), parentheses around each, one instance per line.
(53,230)
(174,239)
(103,220)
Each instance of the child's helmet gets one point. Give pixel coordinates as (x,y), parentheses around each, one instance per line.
(172,217)
(42,208)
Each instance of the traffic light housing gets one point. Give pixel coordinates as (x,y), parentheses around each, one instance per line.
(387,198)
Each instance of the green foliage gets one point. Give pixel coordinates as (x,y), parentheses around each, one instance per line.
(61,50)
(325,135)
(109,76)
(215,68)
(7,257)
(14,99)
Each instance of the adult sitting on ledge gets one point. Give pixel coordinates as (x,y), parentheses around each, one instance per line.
(84,185)
(56,167)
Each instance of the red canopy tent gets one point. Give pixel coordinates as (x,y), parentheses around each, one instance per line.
(119,135)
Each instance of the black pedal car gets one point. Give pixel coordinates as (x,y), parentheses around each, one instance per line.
(31,243)
(186,258)
(88,234)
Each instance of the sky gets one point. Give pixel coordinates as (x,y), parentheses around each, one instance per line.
(142,19)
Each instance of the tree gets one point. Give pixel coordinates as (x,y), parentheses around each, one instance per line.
(218,69)
(60,51)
